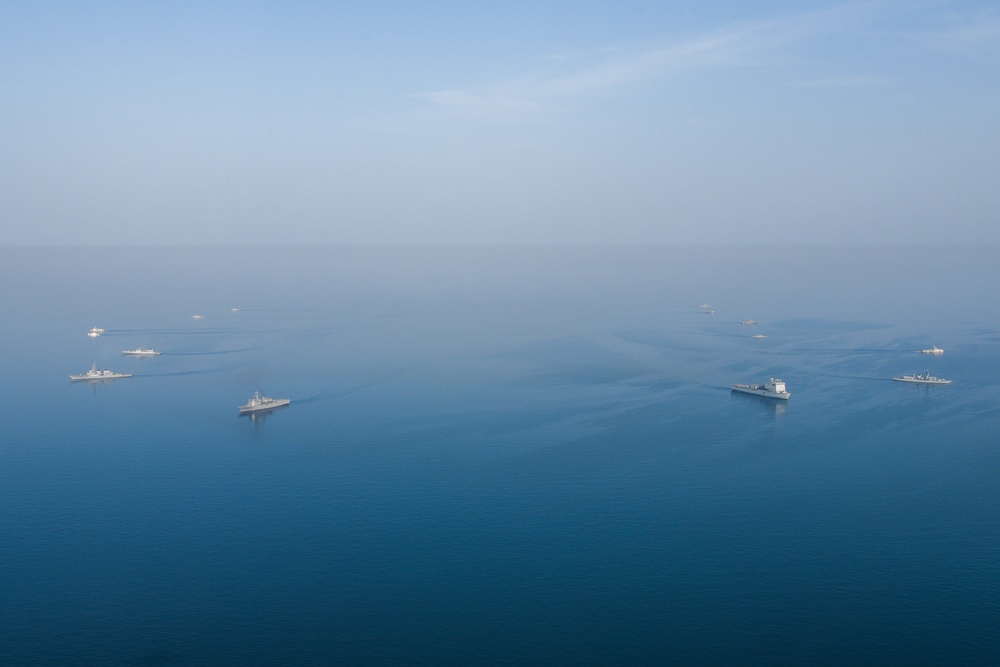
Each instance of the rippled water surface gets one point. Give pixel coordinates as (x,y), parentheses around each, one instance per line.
(500,456)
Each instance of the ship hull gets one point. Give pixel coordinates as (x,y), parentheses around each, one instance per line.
(276,403)
(115,376)
(914,381)
(760,392)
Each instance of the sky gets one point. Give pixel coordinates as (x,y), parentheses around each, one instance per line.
(538,122)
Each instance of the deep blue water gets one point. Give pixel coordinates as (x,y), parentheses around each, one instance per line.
(500,456)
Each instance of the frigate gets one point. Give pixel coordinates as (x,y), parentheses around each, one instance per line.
(922,378)
(258,403)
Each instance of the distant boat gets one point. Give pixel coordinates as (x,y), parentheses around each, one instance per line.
(95,332)
(934,349)
(748,322)
(922,378)
(197,317)
(258,403)
(141,352)
(94,374)
(234,310)
(710,312)
(758,336)
(773,388)
(705,305)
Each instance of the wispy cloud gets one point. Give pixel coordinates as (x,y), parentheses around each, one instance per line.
(737,45)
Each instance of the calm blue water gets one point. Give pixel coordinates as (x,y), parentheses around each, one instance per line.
(500,456)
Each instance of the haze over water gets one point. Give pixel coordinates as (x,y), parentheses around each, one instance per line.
(500,456)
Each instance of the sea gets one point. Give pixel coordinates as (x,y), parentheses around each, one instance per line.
(500,456)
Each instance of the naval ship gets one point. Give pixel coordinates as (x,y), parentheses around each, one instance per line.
(141,352)
(922,378)
(773,388)
(258,403)
(94,374)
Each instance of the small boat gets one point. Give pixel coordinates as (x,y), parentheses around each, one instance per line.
(95,332)
(197,317)
(933,349)
(922,378)
(94,374)
(234,310)
(748,322)
(258,403)
(705,305)
(758,336)
(773,388)
(710,312)
(141,352)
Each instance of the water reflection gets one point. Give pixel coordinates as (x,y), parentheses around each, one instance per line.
(771,405)
(257,417)
(95,382)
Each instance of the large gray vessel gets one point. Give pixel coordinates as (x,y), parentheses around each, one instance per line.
(258,403)
(773,388)
(94,374)
(922,378)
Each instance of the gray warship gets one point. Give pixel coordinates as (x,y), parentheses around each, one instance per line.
(922,378)
(773,388)
(258,403)
(94,374)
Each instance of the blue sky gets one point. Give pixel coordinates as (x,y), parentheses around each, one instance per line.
(520,122)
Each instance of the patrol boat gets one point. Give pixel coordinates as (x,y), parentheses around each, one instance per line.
(933,349)
(258,403)
(94,374)
(922,378)
(773,388)
(141,352)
